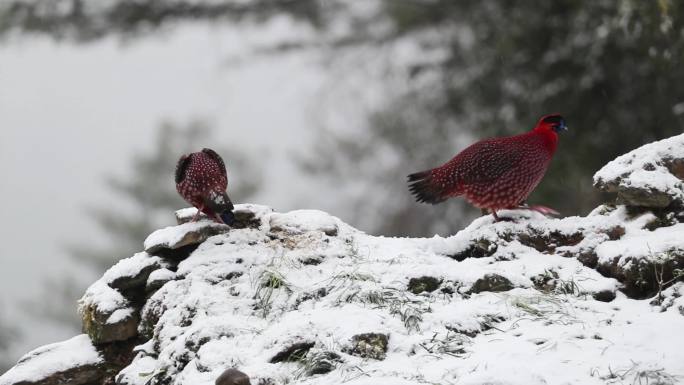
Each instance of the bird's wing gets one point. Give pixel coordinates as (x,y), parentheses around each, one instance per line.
(217,158)
(181,168)
(488,160)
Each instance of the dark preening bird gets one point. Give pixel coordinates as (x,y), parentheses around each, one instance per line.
(201,179)
(495,173)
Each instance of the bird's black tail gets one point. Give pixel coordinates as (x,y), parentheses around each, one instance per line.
(425,189)
(220,204)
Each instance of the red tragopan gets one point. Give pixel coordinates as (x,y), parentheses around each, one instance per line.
(495,173)
(202,180)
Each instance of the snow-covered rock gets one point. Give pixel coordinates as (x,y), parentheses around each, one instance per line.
(187,234)
(303,298)
(650,176)
(75,361)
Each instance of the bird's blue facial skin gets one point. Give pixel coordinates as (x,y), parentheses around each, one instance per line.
(560,126)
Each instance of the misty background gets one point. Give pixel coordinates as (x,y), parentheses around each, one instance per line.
(324,104)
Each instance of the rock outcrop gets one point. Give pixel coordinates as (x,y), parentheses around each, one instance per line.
(303,298)
(650,176)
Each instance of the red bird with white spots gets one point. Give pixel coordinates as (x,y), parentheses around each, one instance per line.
(495,173)
(202,180)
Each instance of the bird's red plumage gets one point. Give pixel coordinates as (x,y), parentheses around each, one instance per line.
(202,180)
(494,173)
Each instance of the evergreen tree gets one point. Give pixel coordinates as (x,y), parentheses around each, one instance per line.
(610,67)
(7,336)
(482,68)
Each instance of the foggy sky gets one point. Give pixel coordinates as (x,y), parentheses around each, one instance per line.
(71,115)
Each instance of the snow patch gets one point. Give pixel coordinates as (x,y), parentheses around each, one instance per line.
(51,359)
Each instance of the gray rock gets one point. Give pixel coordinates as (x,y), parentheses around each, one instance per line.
(106,315)
(638,274)
(103,327)
(604,296)
(633,196)
(321,362)
(233,377)
(479,248)
(423,284)
(158,279)
(493,283)
(650,176)
(294,352)
(132,273)
(187,234)
(369,345)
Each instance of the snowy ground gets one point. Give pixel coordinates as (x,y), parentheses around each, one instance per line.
(298,287)
(244,296)
(303,298)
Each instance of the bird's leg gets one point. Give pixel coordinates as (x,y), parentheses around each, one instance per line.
(487,211)
(538,208)
(197,216)
(217,218)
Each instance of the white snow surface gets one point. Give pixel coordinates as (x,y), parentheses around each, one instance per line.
(107,299)
(643,168)
(129,267)
(53,358)
(161,275)
(244,296)
(173,234)
(643,244)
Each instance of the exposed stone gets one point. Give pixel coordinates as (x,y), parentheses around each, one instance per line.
(493,283)
(588,258)
(546,243)
(132,273)
(233,377)
(246,217)
(604,296)
(294,352)
(650,176)
(479,248)
(174,256)
(159,278)
(150,314)
(638,275)
(636,196)
(616,232)
(312,260)
(369,345)
(321,362)
(484,322)
(106,315)
(547,282)
(423,284)
(102,327)
(676,167)
(176,237)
